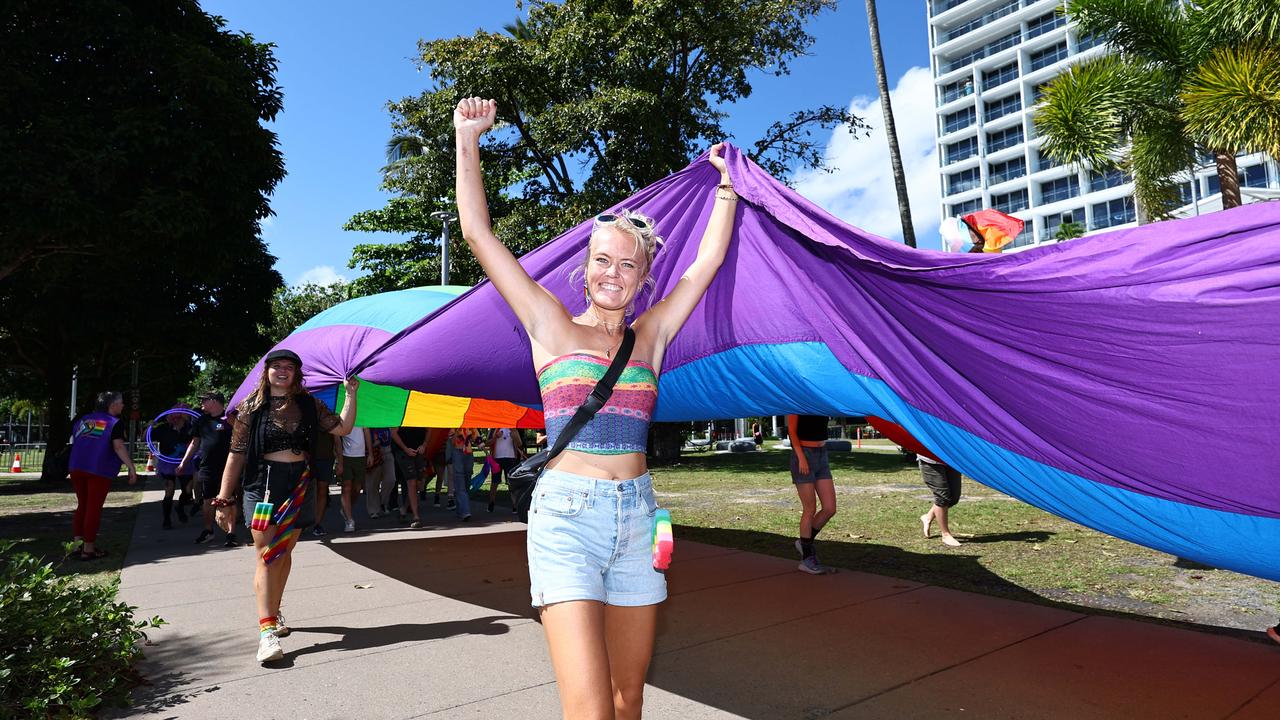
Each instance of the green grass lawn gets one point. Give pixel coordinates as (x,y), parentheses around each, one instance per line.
(39,517)
(1010,549)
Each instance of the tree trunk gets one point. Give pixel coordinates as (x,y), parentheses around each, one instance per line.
(1140,208)
(57,396)
(665,441)
(1228,179)
(890,130)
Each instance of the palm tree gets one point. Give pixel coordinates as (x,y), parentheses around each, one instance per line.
(1182,77)
(1231,101)
(401,147)
(1069,230)
(890,130)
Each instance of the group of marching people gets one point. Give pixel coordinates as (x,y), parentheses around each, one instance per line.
(269,464)
(192,457)
(393,466)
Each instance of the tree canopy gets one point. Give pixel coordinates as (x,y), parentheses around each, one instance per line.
(596,99)
(137,170)
(294,305)
(1182,78)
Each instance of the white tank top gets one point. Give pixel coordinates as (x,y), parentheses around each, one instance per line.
(505,447)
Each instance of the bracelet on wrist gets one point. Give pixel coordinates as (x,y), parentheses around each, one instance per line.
(221,502)
(730,198)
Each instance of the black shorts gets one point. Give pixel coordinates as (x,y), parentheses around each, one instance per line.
(208,482)
(411,468)
(274,483)
(322,472)
(944,481)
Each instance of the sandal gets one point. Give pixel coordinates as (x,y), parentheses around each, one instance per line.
(96,554)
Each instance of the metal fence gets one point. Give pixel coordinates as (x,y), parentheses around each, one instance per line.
(32,455)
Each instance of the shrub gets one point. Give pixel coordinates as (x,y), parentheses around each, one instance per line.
(66,650)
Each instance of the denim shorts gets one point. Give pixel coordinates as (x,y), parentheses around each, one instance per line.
(819,466)
(592,539)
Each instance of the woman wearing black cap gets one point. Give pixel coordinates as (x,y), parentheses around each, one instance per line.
(273,428)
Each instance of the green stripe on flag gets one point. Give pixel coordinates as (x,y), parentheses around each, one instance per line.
(377,406)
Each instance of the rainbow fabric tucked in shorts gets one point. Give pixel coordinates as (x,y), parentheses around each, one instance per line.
(621,426)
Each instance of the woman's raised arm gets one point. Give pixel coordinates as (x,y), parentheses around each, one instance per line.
(669,315)
(531,303)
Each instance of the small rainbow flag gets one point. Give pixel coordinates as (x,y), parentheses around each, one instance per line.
(92,428)
(664,540)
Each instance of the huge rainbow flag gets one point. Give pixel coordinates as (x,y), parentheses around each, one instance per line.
(1129,381)
(336,341)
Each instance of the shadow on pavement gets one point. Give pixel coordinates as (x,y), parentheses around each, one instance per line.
(960,572)
(730,614)
(356,638)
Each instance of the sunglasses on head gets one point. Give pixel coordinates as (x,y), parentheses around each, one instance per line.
(608,218)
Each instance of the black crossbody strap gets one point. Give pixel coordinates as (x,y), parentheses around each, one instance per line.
(599,394)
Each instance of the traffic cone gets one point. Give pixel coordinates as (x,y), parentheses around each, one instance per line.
(17,463)
(151,463)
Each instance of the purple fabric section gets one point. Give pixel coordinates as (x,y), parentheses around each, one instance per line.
(328,353)
(1147,359)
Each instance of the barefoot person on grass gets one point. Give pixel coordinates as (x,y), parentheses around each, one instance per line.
(944,481)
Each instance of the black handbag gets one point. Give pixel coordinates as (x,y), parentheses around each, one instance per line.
(523,478)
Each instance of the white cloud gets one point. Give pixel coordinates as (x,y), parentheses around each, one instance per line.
(320,275)
(861,191)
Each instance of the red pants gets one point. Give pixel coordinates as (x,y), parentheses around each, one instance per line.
(91,493)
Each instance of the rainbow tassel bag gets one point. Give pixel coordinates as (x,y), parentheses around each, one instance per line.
(664,540)
(262,511)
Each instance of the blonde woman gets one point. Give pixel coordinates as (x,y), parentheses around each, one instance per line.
(589,526)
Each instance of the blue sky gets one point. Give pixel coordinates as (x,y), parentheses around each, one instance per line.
(340,63)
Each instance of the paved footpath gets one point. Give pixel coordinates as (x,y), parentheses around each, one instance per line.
(436,623)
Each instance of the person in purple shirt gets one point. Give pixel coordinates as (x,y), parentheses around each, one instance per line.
(97,452)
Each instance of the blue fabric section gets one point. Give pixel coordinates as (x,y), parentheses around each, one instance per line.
(392,311)
(1226,540)
(328,396)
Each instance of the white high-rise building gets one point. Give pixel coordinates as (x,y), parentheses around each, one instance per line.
(990,59)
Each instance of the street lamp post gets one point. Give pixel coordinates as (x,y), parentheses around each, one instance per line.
(445,217)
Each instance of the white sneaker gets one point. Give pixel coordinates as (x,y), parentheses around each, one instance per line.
(282,630)
(811,566)
(350,526)
(269,648)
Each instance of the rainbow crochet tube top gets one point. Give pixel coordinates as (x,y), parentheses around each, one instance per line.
(621,426)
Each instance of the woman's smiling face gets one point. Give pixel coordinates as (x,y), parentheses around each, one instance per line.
(281,373)
(615,268)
